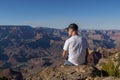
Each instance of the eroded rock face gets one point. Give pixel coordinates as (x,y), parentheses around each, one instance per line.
(115,58)
(107,78)
(11,74)
(82,72)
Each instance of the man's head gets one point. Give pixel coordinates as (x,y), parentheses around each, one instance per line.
(72,29)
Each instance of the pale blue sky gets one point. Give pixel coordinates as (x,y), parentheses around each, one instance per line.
(88,14)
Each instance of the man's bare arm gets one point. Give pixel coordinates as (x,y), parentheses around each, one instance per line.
(64,54)
(87,53)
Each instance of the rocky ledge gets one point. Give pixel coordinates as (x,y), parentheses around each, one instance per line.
(82,72)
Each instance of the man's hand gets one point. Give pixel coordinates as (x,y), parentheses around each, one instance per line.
(64,54)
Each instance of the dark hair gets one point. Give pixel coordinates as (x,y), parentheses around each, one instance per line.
(73,26)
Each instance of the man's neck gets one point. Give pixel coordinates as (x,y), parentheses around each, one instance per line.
(75,34)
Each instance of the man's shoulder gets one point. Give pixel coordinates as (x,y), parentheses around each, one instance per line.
(78,38)
(73,38)
(69,39)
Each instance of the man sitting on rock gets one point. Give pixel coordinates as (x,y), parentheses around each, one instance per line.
(76,47)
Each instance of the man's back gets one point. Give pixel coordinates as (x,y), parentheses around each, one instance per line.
(76,47)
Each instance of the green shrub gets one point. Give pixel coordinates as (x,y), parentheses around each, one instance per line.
(111,69)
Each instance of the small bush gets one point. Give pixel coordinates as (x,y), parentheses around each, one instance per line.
(111,69)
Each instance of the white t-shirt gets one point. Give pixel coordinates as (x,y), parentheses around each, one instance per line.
(76,47)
